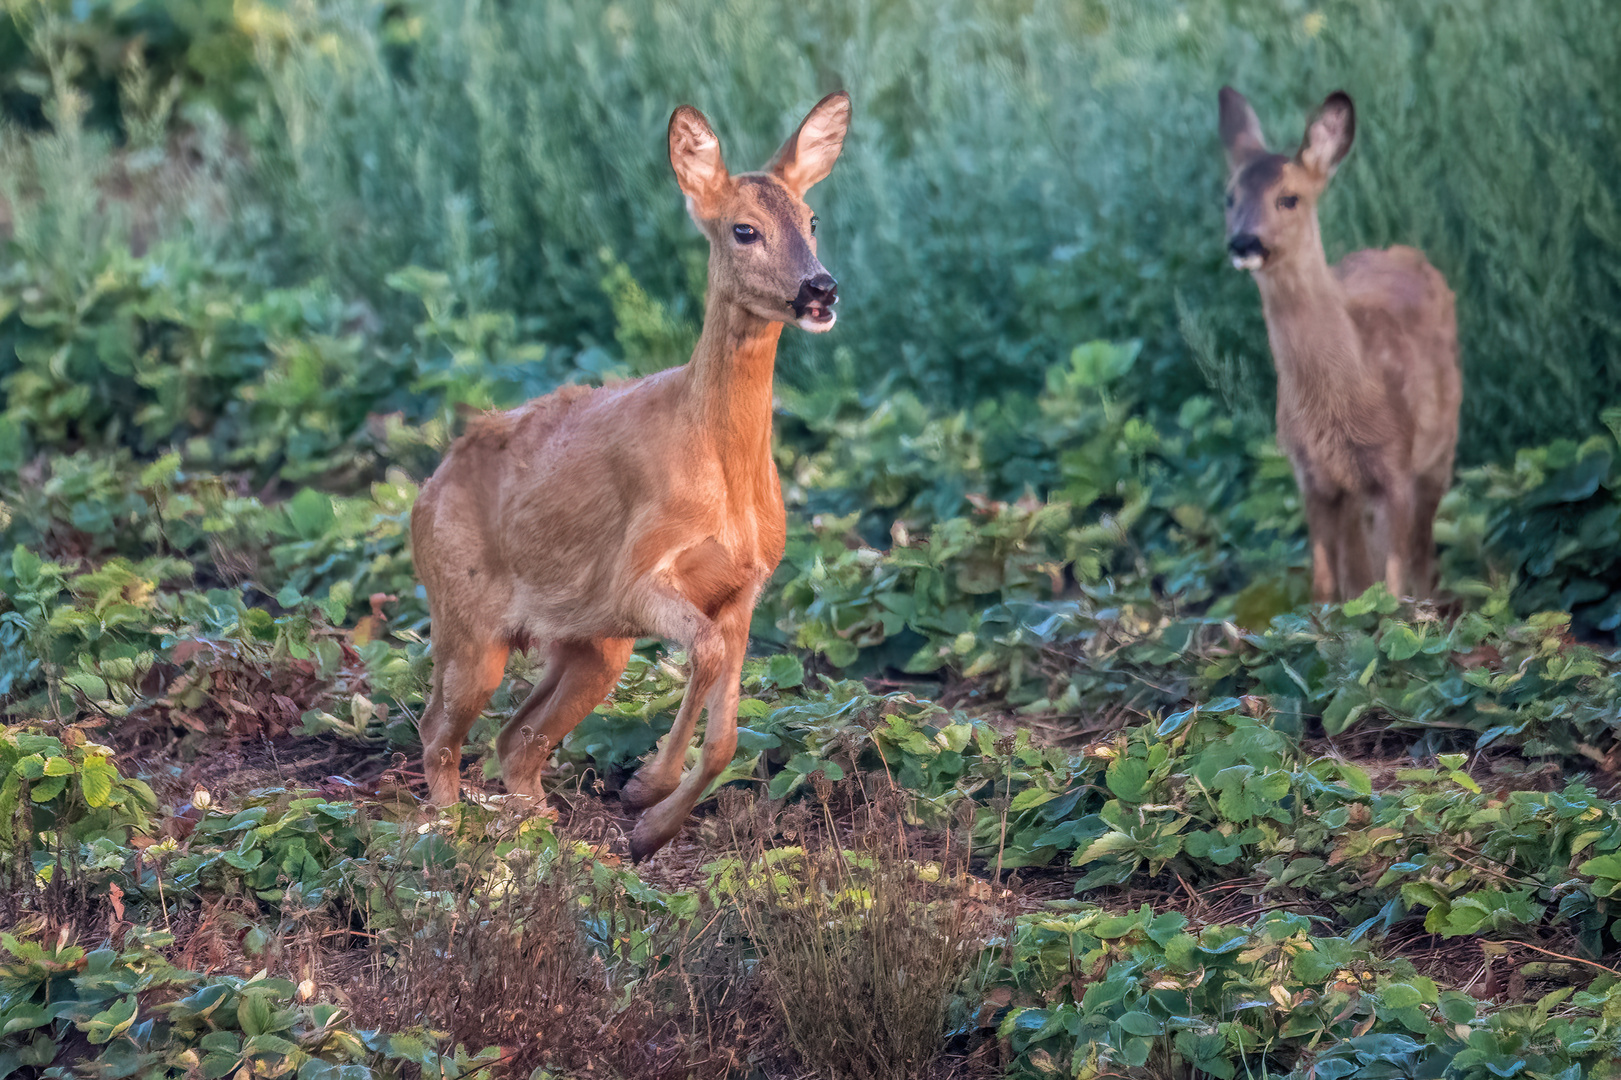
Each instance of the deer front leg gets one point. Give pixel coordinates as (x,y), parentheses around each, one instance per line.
(656,779)
(1396,504)
(1430,490)
(1323,529)
(720,692)
(666,613)
(1357,566)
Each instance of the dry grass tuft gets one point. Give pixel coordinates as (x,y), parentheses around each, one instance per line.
(840,956)
(534,955)
(861,952)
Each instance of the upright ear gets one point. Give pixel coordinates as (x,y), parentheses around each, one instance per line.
(695,156)
(1240,129)
(1328,135)
(808,155)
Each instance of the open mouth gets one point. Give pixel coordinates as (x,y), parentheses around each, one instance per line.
(814,315)
(1247,251)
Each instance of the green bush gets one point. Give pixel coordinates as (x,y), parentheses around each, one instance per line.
(1274,998)
(59,795)
(1021,500)
(195,47)
(1551,522)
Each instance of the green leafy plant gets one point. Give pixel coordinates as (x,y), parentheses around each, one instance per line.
(57,791)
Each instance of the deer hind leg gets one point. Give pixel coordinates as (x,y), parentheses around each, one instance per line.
(579,675)
(464,677)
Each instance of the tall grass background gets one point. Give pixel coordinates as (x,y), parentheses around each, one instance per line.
(1022,175)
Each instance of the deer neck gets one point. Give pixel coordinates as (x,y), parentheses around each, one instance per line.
(1314,341)
(730,382)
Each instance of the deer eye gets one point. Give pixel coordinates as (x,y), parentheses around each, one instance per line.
(1229,200)
(814,220)
(1288,202)
(746,234)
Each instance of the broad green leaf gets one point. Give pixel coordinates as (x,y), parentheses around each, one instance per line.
(1108,844)
(1400,643)
(1030,797)
(23,1017)
(1376,599)
(219,1064)
(96,780)
(1457,1008)
(1346,708)
(1117,926)
(1139,1023)
(785,671)
(223,1041)
(112,1022)
(1128,778)
(88,683)
(310,514)
(1400,996)
(254,1013)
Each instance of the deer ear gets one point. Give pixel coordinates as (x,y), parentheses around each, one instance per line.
(1328,135)
(1240,129)
(695,156)
(808,155)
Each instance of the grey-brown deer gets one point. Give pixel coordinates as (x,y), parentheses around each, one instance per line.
(1366,353)
(591,517)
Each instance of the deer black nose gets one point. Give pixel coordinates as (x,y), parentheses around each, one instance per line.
(1244,245)
(822,289)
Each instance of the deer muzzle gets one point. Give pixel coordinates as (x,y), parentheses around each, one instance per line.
(813,307)
(1247,251)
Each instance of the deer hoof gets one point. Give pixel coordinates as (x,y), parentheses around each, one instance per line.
(639,794)
(536,805)
(642,844)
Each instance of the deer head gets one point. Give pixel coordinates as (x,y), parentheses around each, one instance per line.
(762,236)
(1272,198)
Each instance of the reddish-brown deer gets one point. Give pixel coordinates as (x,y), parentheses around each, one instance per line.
(1366,353)
(591,517)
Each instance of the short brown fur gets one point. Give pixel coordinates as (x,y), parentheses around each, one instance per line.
(1367,360)
(591,517)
